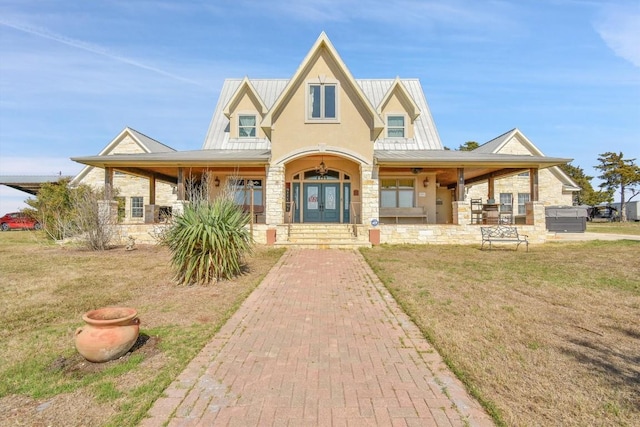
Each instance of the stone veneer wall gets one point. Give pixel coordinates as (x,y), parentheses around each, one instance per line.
(549,189)
(274,197)
(462,233)
(131,186)
(370,206)
(146,233)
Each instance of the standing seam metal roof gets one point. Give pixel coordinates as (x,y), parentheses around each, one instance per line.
(426,135)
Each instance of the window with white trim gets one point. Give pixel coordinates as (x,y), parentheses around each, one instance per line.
(506,202)
(522,199)
(137,207)
(247,125)
(395,126)
(322,101)
(397,193)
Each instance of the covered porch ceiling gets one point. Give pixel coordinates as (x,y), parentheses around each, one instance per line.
(164,166)
(477,167)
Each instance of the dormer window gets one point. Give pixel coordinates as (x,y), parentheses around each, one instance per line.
(395,126)
(322,101)
(247,126)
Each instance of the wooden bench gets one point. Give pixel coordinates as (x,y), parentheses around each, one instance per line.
(398,213)
(503,233)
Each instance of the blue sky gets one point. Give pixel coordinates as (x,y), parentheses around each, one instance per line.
(74,73)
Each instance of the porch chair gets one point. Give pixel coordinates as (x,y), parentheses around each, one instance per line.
(476,211)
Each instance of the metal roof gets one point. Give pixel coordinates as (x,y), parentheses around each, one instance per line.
(29,183)
(149,143)
(426,135)
(179,158)
(496,143)
(452,158)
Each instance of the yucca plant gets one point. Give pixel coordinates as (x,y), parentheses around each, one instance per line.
(208,241)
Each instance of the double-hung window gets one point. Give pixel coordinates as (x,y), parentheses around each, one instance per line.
(522,199)
(506,202)
(397,193)
(395,126)
(137,207)
(247,126)
(322,101)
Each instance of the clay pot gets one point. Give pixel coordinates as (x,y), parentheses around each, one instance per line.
(109,333)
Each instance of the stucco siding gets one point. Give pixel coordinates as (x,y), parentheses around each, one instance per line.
(351,130)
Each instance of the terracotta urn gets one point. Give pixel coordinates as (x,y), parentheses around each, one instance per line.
(108,334)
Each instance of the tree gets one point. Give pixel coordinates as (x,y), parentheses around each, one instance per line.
(66,212)
(53,208)
(587,195)
(468,146)
(622,174)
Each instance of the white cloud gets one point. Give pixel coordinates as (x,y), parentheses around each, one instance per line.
(47,34)
(619,27)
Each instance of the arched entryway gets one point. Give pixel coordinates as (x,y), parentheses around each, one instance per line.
(324,193)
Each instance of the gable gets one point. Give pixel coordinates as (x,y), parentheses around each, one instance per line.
(245,98)
(321,62)
(350,128)
(398,99)
(128,141)
(362,104)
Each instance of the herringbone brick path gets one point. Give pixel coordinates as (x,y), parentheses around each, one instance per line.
(319,342)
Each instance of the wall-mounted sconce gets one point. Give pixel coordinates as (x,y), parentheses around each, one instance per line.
(216,181)
(425,183)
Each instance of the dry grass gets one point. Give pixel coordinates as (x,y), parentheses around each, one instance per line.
(632,228)
(44,291)
(549,337)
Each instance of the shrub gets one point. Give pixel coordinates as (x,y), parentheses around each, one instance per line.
(65,212)
(208,241)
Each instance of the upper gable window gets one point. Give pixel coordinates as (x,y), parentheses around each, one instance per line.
(395,126)
(247,126)
(322,101)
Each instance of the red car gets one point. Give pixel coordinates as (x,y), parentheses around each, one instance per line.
(18,221)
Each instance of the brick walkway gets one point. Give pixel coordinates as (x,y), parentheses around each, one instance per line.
(319,342)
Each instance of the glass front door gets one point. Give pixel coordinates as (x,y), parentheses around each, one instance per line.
(321,202)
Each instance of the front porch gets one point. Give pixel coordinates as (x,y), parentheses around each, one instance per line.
(364,235)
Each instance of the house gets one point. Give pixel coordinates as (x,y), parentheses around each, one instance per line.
(511,193)
(322,154)
(131,190)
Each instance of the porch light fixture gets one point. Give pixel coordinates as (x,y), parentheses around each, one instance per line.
(425,183)
(216,181)
(322,169)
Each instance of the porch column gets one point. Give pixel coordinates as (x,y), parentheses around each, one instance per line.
(151,211)
(108,183)
(152,190)
(460,186)
(274,195)
(370,203)
(180,184)
(491,188)
(533,184)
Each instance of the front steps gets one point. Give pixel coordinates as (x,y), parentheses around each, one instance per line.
(322,236)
